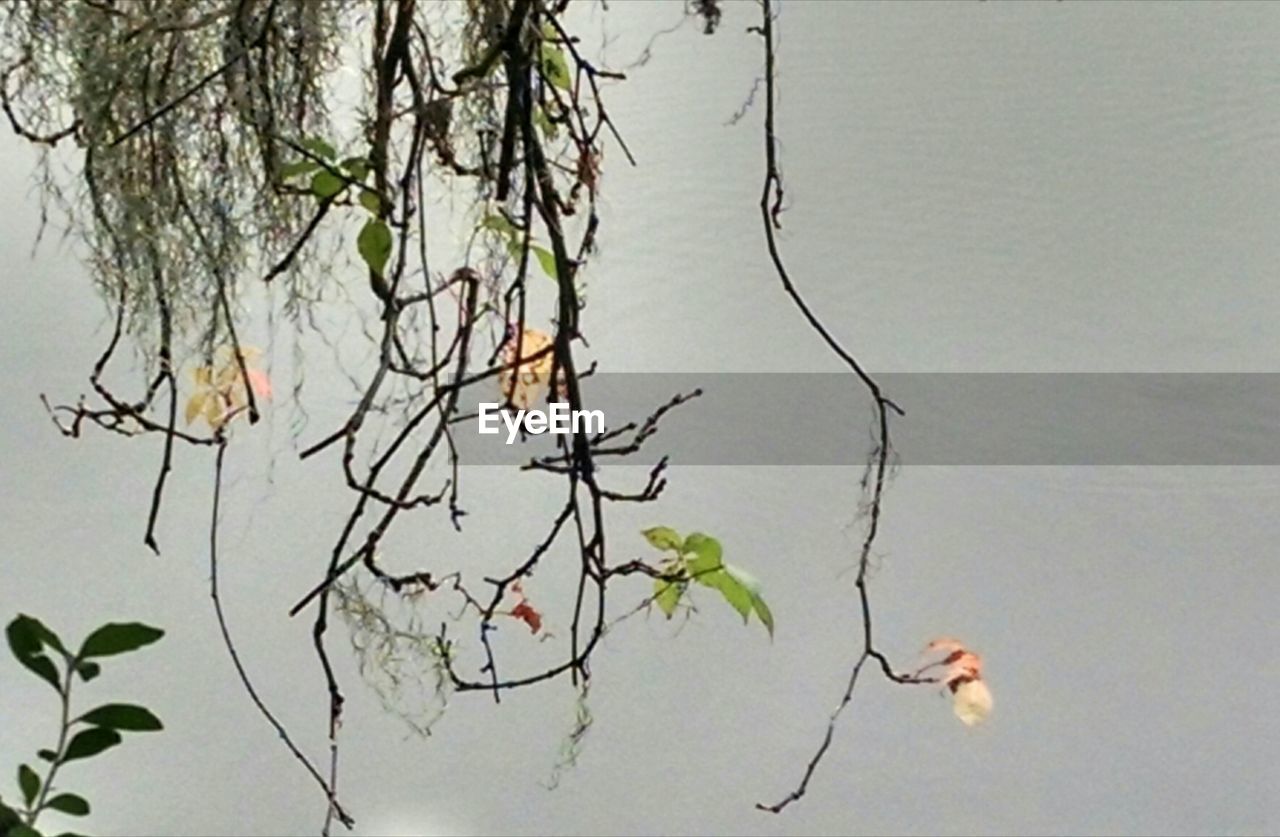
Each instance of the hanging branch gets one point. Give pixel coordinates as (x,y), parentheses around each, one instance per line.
(335,808)
(771,200)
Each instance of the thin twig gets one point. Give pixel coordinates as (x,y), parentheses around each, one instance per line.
(770,208)
(227,641)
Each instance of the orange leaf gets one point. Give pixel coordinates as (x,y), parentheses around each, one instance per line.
(526,384)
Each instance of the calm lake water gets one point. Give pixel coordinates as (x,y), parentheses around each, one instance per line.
(972,187)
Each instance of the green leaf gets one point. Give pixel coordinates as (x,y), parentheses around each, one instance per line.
(90,742)
(319,147)
(501,226)
(369,200)
(746,579)
(662,537)
(667,595)
(8,818)
(44,667)
(88,670)
(47,755)
(762,610)
(374,244)
(22,830)
(118,638)
(26,640)
(738,596)
(544,123)
(546,259)
(123,716)
(47,636)
(357,167)
(513,249)
(28,783)
(69,803)
(704,567)
(300,167)
(326,184)
(737,583)
(554,67)
(702,546)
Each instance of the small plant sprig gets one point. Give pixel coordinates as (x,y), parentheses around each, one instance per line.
(698,558)
(79,736)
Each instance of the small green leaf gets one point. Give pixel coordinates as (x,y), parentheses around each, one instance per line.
(703,546)
(704,570)
(69,803)
(662,537)
(300,167)
(513,249)
(762,610)
(326,184)
(47,636)
(123,716)
(357,167)
(544,123)
(22,830)
(28,783)
(374,244)
(88,670)
(26,637)
(118,638)
(8,818)
(667,595)
(90,742)
(554,67)
(47,755)
(751,584)
(735,594)
(746,579)
(44,667)
(319,147)
(500,225)
(369,200)
(546,259)
(705,564)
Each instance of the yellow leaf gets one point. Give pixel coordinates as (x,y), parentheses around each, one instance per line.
(526,385)
(213,412)
(228,375)
(196,404)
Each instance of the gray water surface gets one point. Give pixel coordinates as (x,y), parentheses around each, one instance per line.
(1069,187)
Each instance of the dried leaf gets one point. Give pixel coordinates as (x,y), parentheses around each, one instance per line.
(526,385)
(195,405)
(972,702)
(525,613)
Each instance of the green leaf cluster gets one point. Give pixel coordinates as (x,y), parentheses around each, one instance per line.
(699,559)
(330,178)
(39,649)
(555,67)
(511,236)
